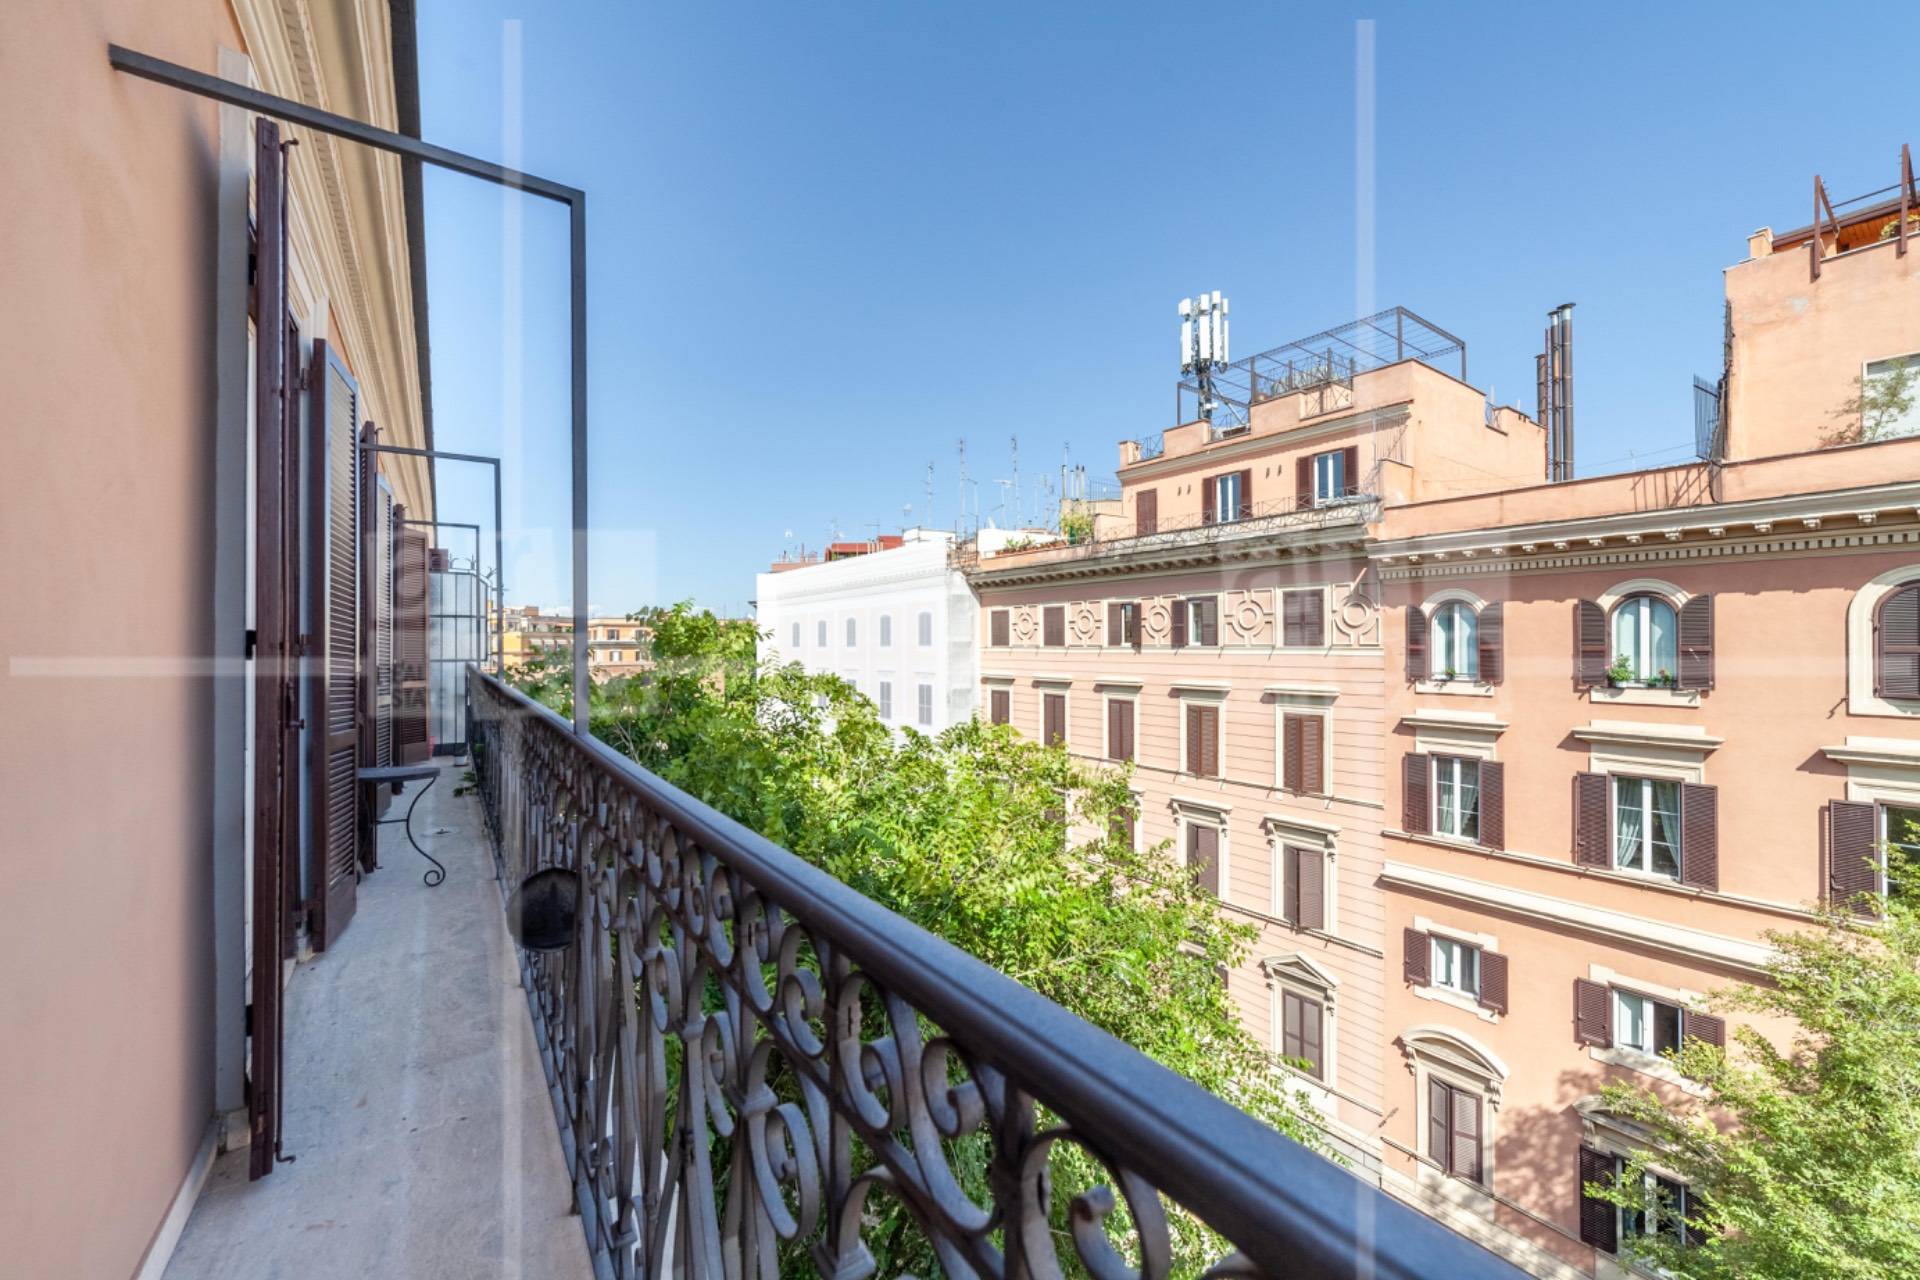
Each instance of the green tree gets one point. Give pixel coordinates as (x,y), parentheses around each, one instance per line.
(1805,1159)
(1006,849)
(1877,406)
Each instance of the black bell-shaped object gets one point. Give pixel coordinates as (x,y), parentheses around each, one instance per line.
(545,909)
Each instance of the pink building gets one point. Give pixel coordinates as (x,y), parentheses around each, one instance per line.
(1511,772)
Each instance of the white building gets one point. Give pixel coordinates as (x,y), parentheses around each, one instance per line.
(901,625)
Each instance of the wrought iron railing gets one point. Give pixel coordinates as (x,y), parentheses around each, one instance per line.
(748,1058)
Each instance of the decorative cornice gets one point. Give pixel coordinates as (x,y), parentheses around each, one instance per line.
(1625,734)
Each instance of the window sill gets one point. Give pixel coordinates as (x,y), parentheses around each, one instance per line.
(1643,696)
(1647,1065)
(1455,688)
(1447,995)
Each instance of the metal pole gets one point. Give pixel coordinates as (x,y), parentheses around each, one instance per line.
(499,561)
(578,205)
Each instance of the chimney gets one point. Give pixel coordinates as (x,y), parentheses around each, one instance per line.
(1553,379)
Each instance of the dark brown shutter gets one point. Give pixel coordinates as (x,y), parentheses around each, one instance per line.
(1590,659)
(1699,835)
(1493,805)
(1311,1019)
(1303,482)
(1493,981)
(1416,643)
(1203,741)
(1696,643)
(411,742)
(1146,511)
(1246,494)
(1350,469)
(1203,856)
(1303,620)
(1896,644)
(1209,622)
(1120,729)
(1313,755)
(1853,852)
(1592,1013)
(1703,1026)
(1491,630)
(1309,867)
(1209,497)
(1590,820)
(1000,706)
(1053,623)
(334,661)
(1463,1143)
(1415,769)
(1056,718)
(1000,636)
(1599,1219)
(1179,624)
(1413,959)
(1116,623)
(1292,777)
(276,526)
(1439,1115)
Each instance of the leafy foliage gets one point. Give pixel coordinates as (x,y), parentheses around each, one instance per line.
(1877,406)
(1806,1159)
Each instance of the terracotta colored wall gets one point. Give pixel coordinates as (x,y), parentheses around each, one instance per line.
(105,498)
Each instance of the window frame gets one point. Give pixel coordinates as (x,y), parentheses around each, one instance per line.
(1648,783)
(1226,482)
(1342,483)
(1467,672)
(1280,618)
(885,699)
(820,633)
(1053,689)
(886,631)
(1047,614)
(1465,950)
(796,637)
(1129,694)
(1194,697)
(853,632)
(1459,765)
(923,703)
(1644,601)
(1650,1019)
(924,628)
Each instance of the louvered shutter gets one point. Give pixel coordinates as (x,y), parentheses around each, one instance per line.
(1491,630)
(1311,1023)
(334,603)
(1590,659)
(1116,624)
(1599,1220)
(1310,872)
(1700,835)
(1592,1013)
(1203,741)
(1463,1147)
(1416,643)
(1590,820)
(1896,644)
(1146,511)
(1290,1012)
(1415,769)
(1313,755)
(1493,981)
(1203,856)
(1133,623)
(1000,635)
(1120,729)
(1414,957)
(1303,483)
(1206,611)
(1439,1114)
(1209,495)
(1180,611)
(411,743)
(1350,470)
(1696,643)
(1000,706)
(1292,774)
(1493,805)
(1194,730)
(1246,495)
(1703,1026)
(1853,853)
(1053,622)
(1056,718)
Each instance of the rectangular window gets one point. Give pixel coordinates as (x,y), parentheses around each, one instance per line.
(1226,497)
(999,629)
(852,633)
(820,633)
(1880,383)
(1303,618)
(886,630)
(1120,728)
(1053,727)
(1203,741)
(1303,753)
(1198,622)
(1664,1211)
(926,704)
(926,629)
(1454,965)
(1456,797)
(1646,826)
(1899,829)
(1330,479)
(1645,1024)
(1053,626)
(886,699)
(1123,623)
(796,635)
(1301,1022)
(1453,1129)
(1000,706)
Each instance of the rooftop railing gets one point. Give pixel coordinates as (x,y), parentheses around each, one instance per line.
(750,1060)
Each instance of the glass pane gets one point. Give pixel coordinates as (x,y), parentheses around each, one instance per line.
(1666,1027)
(1626,633)
(1446,812)
(1628,819)
(1469,969)
(1666,828)
(1630,1021)
(1444,954)
(1469,799)
(1663,630)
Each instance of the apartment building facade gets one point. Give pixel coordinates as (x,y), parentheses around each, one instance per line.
(1581,743)
(616,646)
(898,622)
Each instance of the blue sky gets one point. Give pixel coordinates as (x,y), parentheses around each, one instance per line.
(827,241)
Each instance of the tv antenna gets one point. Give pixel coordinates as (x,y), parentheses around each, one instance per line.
(1203,343)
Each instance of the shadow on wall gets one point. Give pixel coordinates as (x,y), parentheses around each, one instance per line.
(1687,486)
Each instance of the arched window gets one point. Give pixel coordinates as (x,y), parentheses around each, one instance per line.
(1645,635)
(1896,644)
(1456,642)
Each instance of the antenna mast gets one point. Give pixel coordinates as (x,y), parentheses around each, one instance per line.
(1203,344)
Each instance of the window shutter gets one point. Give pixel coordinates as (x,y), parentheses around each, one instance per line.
(1292,777)
(1000,702)
(1699,835)
(1116,623)
(1303,483)
(332,578)
(1290,884)
(1413,961)
(1056,726)
(1310,1024)
(1896,644)
(1303,621)
(1194,730)
(1210,742)
(1439,1111)
(1703,1026)
(1146,511)
(1493,981)
(1493,805)
(1589,644)
(1696,643)
(1312,755)
(1492,635)
(1598,1219)
(1203,856)
(1416,644)
(1590,820)
(1463,1155)
(1180,612)
(1350,466)
(1120,729)
(1133,623)
(1209,497)
(999,624)
(1209,622)
(1053,622)
(1853,852)
(1415,770)
(1592,1013)
(1310,871)
(1246,494)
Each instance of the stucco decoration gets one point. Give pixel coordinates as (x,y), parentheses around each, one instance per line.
(1156,620)
(1356,618)
(1086,622)
(1026,624)
(1249,617)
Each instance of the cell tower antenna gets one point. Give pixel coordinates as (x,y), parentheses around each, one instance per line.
(929,512)
(1203,344)
(1019,520)
(960,524)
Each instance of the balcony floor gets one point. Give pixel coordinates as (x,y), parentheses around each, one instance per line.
(416,1107)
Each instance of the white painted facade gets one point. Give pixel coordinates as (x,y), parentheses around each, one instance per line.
(901,625)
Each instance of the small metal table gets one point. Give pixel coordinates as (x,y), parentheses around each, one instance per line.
(400,775)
